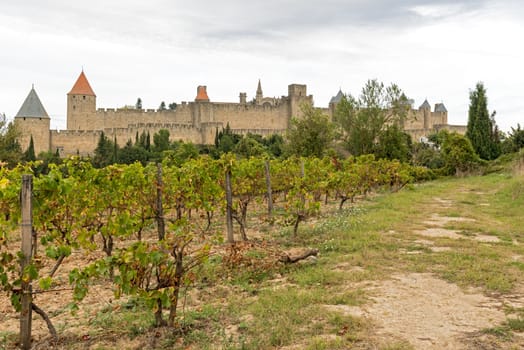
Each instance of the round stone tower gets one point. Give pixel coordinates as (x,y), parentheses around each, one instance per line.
(33,121)
(425,108)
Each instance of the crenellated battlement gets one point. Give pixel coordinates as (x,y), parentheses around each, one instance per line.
(134,110)
(161,126)
(195,121)
(262,132)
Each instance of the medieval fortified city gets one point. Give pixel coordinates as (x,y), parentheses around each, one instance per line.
(262,175)
(195,122)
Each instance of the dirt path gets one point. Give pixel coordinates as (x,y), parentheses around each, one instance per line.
(430,313)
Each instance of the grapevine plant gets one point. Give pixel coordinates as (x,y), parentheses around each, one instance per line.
(146,229)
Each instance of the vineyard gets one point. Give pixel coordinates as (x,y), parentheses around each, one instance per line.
(149,230)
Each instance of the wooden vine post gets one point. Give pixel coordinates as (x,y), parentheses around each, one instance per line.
(27,250)
(302,175)
(161,226)
(269,191)
(301,215)
(229,207)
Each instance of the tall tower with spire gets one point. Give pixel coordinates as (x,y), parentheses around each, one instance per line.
(81,105)
(33,121)
(259,95)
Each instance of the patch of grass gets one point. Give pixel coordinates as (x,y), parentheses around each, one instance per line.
(249,281)
(321,343)
(282,317)
(316,275)
(516,324)
(350,298)
(198,337)
(132,318)
(501,332)
(205,313)
(467,233)
(341,220)
(478,265)
(7,338)
(345,324)
(506,329)
(516,190)
(519,265)
(417,248)
(210,271)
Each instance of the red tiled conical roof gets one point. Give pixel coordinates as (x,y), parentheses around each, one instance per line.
(82,87)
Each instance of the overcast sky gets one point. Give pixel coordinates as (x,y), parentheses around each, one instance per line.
(160,50)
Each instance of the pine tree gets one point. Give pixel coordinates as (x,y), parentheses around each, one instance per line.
(362,120)
(482,130)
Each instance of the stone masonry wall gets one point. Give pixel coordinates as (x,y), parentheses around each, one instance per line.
(84,142)
(36,127)
(252,116)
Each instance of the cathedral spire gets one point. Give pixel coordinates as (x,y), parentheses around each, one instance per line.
(260,95)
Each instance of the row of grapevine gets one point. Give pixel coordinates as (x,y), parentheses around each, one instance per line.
(148,227)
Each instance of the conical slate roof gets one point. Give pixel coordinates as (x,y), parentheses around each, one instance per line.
(337,98)
(82,87)
(32,107)
(425,105)
(439,107)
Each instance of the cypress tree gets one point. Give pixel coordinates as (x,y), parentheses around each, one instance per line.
(115,151)
(217,139)
(481,129)
(29,154)
(142,140)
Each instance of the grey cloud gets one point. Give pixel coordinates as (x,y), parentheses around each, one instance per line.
(227,19)
(227,24)
(293,15)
